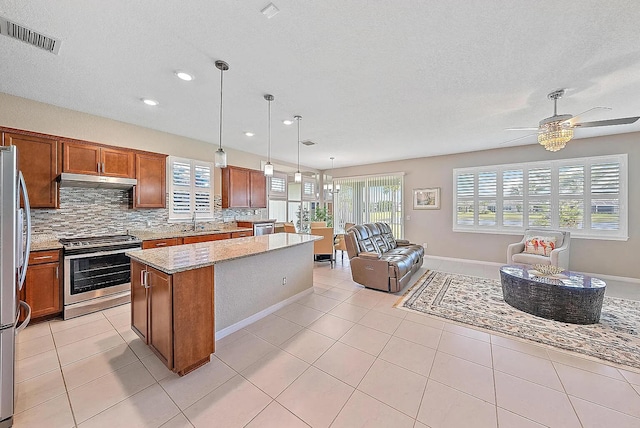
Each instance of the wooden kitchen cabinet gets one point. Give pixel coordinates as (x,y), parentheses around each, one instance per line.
(205,238)
(40,162)
(242,234)
(174,315)
(150,192)
(158,243)
(42,288)
(243,188)
(79,158)
(257,190)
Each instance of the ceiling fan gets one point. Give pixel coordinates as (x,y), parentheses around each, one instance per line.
(554,132)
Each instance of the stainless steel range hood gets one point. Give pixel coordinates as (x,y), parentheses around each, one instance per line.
(96,181)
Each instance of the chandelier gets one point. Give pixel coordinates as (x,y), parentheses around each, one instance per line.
(554,135)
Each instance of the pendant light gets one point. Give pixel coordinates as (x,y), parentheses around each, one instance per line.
(297,177)
(268,167)
(331,186)
(221,156)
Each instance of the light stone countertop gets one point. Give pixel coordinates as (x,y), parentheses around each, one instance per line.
(193,256)
(146,235)
(42,242)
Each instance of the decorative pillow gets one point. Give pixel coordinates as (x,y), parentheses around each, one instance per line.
(542,245)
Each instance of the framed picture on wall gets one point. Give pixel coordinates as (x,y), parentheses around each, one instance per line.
(426,199)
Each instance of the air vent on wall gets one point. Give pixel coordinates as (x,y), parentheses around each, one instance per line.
(308,142)
(27,35)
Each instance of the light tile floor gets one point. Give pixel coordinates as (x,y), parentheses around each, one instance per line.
(340,357)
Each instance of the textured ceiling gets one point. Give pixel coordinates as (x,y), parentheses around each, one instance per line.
(373,80)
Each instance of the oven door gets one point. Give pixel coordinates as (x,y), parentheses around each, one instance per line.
(93,275)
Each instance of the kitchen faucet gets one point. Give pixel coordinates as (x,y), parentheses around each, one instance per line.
(193,221)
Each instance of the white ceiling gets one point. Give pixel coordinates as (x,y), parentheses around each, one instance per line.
(373,80)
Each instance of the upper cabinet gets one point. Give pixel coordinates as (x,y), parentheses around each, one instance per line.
(39,161)
(82,158)
(243,188)
(150,192)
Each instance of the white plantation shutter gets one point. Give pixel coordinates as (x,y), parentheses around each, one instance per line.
(190,189)
(308,189)
(278,186)
(587,196)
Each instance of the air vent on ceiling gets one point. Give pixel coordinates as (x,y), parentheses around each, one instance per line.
(308,142)
(27,35)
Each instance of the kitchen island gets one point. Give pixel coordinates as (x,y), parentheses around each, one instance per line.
(183,297)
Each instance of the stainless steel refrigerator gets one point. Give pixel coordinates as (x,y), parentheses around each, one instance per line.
(15,243)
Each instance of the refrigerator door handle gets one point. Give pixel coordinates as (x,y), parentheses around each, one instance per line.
(24,323)
(27,248)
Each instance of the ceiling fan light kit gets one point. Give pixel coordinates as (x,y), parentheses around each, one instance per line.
(556,131)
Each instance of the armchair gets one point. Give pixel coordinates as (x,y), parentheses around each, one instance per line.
(549,247)
(289,228)
(324,246)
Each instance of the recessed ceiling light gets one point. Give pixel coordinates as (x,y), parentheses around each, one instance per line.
(249,134)
(150,102)
(184,76)
(287,122)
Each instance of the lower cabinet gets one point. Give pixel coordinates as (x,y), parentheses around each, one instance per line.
(205,238)
(174,315)
(158,243)
(42,288)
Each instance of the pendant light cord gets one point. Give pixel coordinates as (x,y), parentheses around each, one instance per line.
(221,81)
(269,150)
(298,118)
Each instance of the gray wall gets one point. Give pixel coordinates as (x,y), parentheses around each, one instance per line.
(619,258)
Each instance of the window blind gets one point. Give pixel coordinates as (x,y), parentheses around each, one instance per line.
(190,189)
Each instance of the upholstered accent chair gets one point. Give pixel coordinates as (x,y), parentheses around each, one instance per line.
(548,247)
(318,224)
(324,246)
(289,228)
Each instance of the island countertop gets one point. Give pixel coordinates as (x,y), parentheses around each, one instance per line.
(193,256)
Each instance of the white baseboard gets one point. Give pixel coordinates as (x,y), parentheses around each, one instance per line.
(480,262)
(259,315)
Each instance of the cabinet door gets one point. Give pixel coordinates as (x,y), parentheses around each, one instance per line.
(161,315)
(139,315)
(117,163)
(235,187)
(42,289)
(150,192)
(81,158)
(39,161)
(258,190)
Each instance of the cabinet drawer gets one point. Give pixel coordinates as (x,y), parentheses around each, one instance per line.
(241,234)
(205,238)
(159,243)
(40,257)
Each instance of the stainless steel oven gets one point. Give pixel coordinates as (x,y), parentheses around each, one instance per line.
(97,273)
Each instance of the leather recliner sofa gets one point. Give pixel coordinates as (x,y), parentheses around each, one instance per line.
(380,261)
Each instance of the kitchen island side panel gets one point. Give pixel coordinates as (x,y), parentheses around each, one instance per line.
(246,286)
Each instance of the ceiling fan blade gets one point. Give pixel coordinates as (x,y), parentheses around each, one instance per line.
(620,121)
(575,118)
(519,138)
(522,129)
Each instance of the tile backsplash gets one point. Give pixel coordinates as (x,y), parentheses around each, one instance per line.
(91,212)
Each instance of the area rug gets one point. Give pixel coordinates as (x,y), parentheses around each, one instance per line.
(479,303)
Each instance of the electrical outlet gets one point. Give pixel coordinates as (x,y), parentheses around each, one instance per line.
(408,218)
(424,244)
(284,280)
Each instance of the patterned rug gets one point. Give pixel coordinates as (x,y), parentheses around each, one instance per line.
(478,302)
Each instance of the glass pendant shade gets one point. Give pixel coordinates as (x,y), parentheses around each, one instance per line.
(297,177)
(268,169)
(220,158)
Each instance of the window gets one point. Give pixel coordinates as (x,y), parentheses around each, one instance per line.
(370,199)
(190,189)
(586,196)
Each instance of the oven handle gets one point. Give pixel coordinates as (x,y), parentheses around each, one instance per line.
(101,253)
